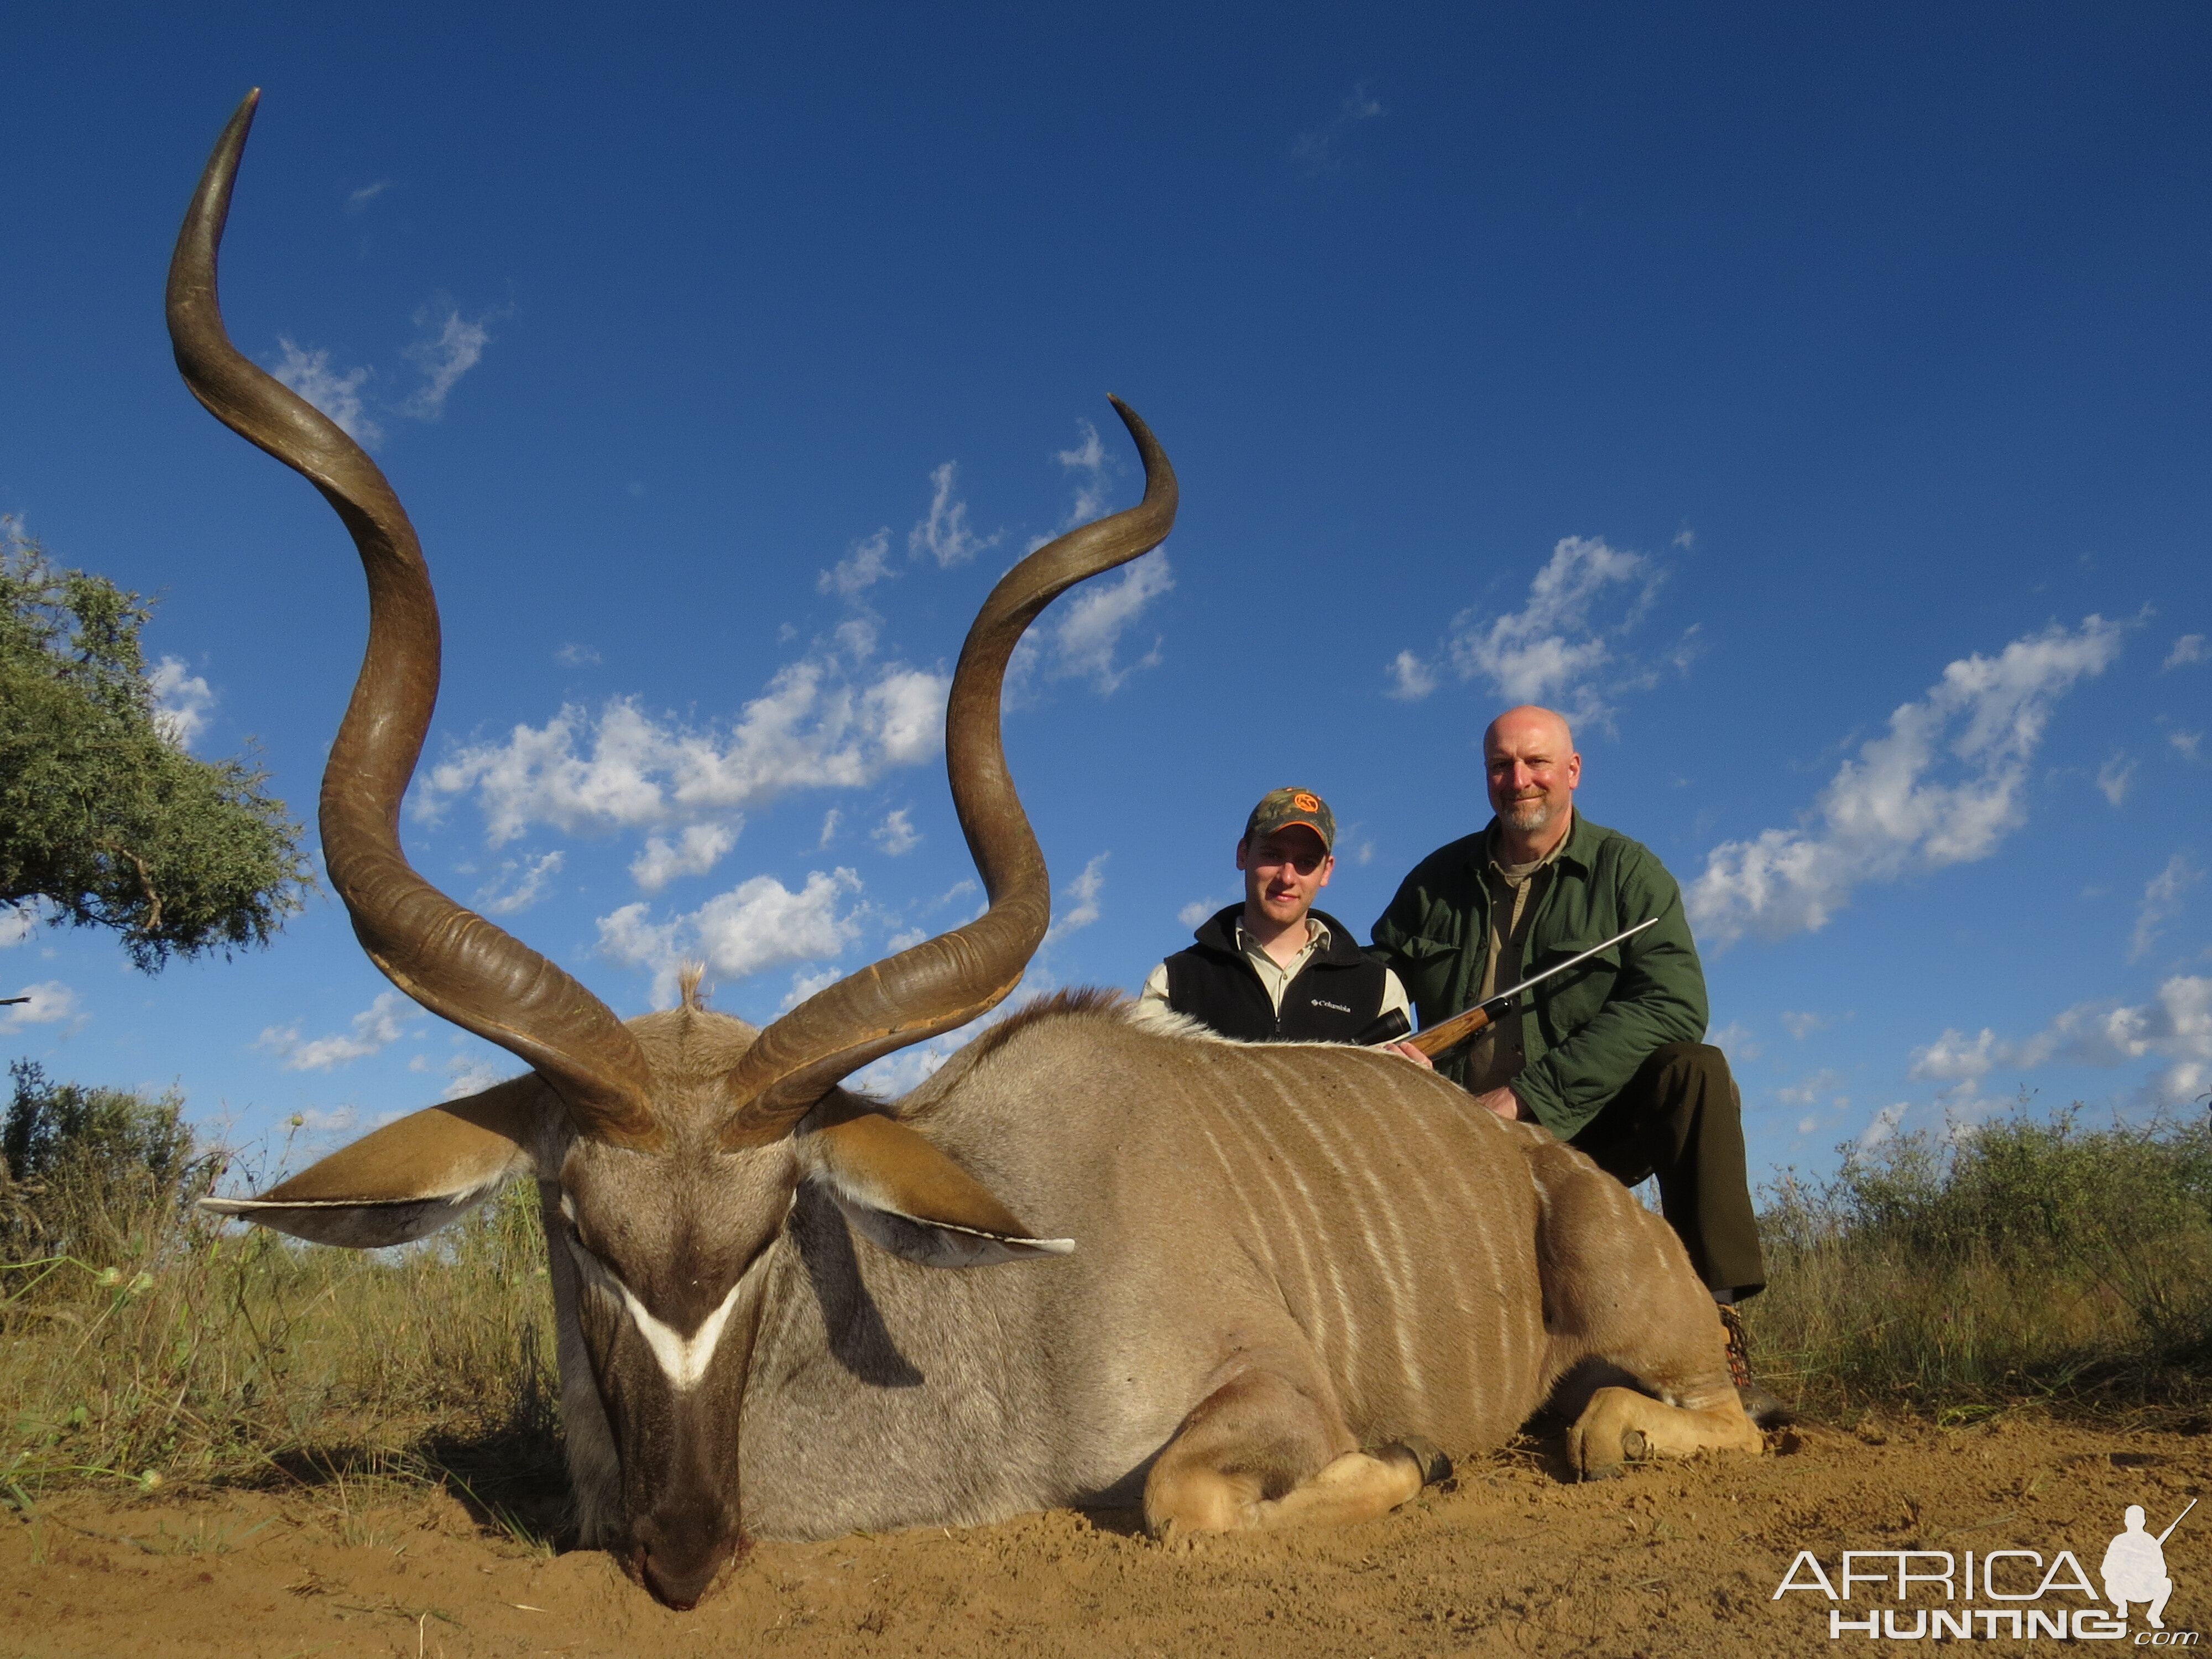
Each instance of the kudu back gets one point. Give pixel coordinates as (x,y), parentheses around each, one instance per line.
(1101,1257)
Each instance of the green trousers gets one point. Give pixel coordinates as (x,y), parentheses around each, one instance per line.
(1681,1119)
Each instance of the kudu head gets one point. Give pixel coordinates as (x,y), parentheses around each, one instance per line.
(668,1150)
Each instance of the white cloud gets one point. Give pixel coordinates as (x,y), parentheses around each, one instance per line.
(359,199)
(805,984)
(576,656)
(895,834)
(1546,650)
(2161,902)
(1197,911)
(316,1123)
(2114,776)
(908,1068)
(2188,648)
(1735,1037)
(758,924)
(1085,642)
(1320,151)
(181,701)
(450,347)
(1955,1058)
(49,1002)
(465,1075)
(1084,890)
(816,727)
(1883,1127)
(1093,469)
(1411,678)
(1883,816)
(868,563)
(1801,1026)
(530,877)
(2185,742)
(377,1027)
(18,922)
(339,396)
(1558,648)
(1804,1094)
(943,534)
(830,820)
(2176,1027)
(895,1074)
(694,853)
(905,939)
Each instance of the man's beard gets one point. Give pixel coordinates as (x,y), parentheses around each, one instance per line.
(1530,816)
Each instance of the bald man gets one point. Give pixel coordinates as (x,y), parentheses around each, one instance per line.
(1610,1056)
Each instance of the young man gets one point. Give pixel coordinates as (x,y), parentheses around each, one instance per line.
(1273,969)
(1609,1057)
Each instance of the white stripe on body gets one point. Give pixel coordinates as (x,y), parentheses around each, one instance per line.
(1349,1155)
(1258,1130)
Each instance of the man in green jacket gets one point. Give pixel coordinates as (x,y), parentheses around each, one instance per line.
(1610,1056)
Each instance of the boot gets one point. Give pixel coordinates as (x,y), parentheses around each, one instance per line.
(1761,1404)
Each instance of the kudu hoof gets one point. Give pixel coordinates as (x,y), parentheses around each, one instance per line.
(1433,1464)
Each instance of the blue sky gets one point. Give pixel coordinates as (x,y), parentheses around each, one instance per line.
(1813,400)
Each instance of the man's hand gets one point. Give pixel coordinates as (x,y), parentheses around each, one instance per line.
(1414,1054)
(1505,1103)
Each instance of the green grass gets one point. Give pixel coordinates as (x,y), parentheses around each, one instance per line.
(142,1342)
(2028,1259)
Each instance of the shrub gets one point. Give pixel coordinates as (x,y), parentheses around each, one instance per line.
(2018,1258)
(143,1339)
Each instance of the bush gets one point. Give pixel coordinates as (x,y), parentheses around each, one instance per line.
(143,1339)
(76,1162)
(2018,1259)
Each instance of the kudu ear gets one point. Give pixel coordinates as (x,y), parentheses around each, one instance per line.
(411,1178)
(905,1196)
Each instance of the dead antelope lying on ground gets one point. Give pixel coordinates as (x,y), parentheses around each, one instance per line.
(1247,1262)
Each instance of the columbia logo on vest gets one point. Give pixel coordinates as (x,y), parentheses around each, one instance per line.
(1323,1002)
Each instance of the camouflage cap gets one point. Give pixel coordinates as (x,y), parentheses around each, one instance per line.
(1280,806)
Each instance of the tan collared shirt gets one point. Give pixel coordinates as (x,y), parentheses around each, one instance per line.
(1496,1056)
(1277,977)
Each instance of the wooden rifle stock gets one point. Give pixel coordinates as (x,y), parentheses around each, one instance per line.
(1441,1038)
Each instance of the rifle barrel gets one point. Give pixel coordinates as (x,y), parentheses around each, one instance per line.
(1441,1038)
(2177,1519)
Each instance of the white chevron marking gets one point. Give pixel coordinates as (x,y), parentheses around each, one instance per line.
(684,1358)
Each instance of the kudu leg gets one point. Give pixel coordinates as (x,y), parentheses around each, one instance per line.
(1260,1452)
(1619,1288)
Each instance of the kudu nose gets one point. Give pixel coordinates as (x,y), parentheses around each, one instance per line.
(678,1573)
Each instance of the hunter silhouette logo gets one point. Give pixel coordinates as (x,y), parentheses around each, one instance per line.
(2031,1596)
(2134,1568)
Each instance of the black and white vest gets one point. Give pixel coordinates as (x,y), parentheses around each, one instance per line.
(1336,996)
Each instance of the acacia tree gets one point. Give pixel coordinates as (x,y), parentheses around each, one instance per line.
(103,816)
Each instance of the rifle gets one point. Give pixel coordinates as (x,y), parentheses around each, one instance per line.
(2169,1533)
(1442,1039)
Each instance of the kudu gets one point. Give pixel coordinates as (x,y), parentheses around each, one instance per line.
(1287,1252)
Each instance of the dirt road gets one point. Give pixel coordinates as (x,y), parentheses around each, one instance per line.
(1674,1560)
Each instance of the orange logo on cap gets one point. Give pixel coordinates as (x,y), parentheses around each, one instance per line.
(1306,803)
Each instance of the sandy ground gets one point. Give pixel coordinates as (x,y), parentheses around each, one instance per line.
(1675,1559)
